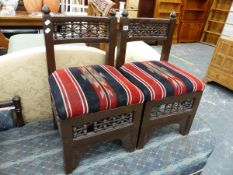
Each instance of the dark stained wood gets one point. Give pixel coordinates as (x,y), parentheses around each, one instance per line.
(75,146)
(109,22)
(14,102)
(165,38)
(184,119)
(74,149)
(49,42)
(131,29)
(168,43)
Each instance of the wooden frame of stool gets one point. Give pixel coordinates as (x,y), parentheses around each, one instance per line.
(80,133)
(158,113)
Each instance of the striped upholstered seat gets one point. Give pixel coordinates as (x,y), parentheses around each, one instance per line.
(160,79)
(82,90)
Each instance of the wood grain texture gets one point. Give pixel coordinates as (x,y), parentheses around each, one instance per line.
(193,15)
(88,30)
(216,21)
(163,8)
(22,18)
(220,69)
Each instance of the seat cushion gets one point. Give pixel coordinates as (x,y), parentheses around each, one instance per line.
(82,90)
(160,79)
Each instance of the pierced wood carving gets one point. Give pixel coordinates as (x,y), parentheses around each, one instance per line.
(80,30)
(103,125)
(147,29)
(165,109)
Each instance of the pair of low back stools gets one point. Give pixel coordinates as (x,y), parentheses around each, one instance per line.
(126,101)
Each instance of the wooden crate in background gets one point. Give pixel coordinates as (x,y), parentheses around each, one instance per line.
(220,69)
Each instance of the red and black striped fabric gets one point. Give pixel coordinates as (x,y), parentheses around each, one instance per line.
(160,79)
(82,90)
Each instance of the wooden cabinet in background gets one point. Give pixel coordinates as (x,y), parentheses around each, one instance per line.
(163,8)
(193,13)
(190,32)
(216,20)
(220,69)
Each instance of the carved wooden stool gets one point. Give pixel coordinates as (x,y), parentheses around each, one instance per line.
(92,104)
(171,94)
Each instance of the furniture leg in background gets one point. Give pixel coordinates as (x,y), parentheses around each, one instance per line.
(15,104)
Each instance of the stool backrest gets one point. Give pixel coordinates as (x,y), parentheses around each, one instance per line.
(76,29)
(157,30)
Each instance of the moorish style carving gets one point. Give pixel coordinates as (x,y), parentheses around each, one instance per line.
(85,129)
(147,29)
(76,30)
(103,125)
(171,108)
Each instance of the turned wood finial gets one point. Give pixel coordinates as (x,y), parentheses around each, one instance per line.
(112,12)
(18,111)
(173,14)
(45,9)
(125,13)
(16,98)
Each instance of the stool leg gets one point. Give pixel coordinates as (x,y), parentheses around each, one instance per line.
(68,157)
(142,139)
(189,123)
(129,142)
(54,122)
(18,111)
(185,125)
(144,136)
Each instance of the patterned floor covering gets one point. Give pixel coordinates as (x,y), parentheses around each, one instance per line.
(36,149)
(215,107)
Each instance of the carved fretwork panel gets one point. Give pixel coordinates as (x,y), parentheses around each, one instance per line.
(171,108)
(147,29)
(106,124)
(80,30)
